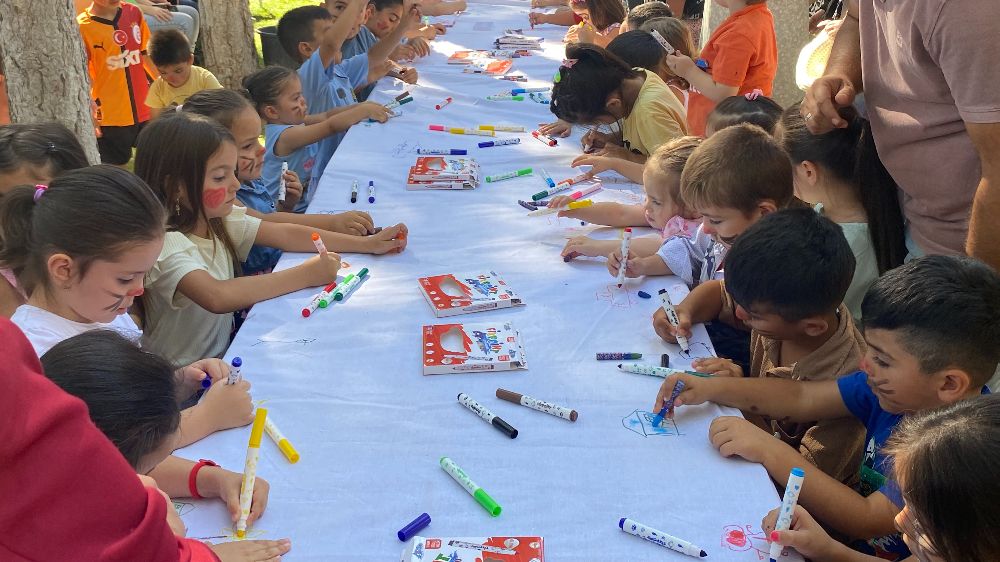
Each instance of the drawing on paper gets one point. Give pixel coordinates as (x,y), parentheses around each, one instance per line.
(183,508)
(229,534)
(698,350)
(747,538)
(403,150)
(300,341)
(619,298)
(641,422)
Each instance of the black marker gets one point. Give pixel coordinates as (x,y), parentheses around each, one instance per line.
(487,415)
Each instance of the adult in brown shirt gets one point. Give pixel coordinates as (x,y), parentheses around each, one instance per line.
(931,80)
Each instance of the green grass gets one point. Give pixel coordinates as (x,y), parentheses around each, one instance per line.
(268,12)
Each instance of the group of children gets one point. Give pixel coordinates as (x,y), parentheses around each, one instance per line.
(790,242)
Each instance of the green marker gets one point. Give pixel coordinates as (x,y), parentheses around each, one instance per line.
(323,303)
(349,285)
(505,97)
(484,499)
(508,175)
(662,372)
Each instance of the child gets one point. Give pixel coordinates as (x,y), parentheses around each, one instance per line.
(361,41)
(84,274)
(594,87)
(129,397)
(664,210)
(949,513)
(786,277)
(179,77)
(290,134)
(840,174)
(32,155)
(600,21)
(342,231)
(740,57)
(313,36)
(114,37)
(383,16)
(190,162)
(44,423)
(754,108)
(644,12)
(931,330)
(640,50)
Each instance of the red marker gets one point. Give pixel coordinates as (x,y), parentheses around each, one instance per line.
(544,138)
(325,293)
(444,103)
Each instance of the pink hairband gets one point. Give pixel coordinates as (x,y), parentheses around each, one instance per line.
(756,93)
(39,190)
(568,63)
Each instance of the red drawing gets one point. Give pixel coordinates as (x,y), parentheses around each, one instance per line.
(619,298)
(746,539)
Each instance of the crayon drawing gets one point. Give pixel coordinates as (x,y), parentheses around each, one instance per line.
(747,538)
(619,298)
(641,422)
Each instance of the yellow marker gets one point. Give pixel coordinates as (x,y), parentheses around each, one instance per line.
(572,205)
(503,128)
(461,131)
(281,441)
(250,471)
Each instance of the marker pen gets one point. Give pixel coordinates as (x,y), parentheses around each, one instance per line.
(234,371)
(444,103)
(444,151)
(435,127)
(341,286)
(284,445)
(633,527)
(788,502)
(576,179)
(459,475)
(585,191)
(501,142)
(354,192)
(618,356)
(505,97)
(403,96)
(371,191)
(663,42)
(549,141)
(568,207)
(626,241)
(350,285)
(503,128)
(281,183)
(527,205)
(547,178)
(654,371)
(318,242)
(508,175)
(535,404)
(319,300)
(396,103)
(550,191)
(516,91)
(250,472)
(668,308)
(487,415)
(477,132)
(658,418)
(413,527)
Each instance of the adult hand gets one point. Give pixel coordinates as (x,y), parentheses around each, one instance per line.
(825,97)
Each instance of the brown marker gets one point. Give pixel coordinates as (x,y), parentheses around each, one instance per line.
(534,404)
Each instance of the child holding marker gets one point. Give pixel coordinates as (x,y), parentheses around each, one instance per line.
(594,87)
(362,39)
(640,49)
(949,514)
(931,330)
(140,416)
(600,21)
(839,173)
(754,108)
(664,210)
(84,275)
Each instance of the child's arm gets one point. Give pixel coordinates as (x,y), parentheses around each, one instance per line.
(642,260)
(702,304)
(298,238)
(608,214)
(615,151)
(320,117)
(380,51)
(627,168)
(172,475)
(559,17)
(294,138)
(355,223)
(811,540)
(333,40)
(684,66)
(445,7)
(223,406)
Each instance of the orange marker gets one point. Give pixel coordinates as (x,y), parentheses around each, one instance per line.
(318,242)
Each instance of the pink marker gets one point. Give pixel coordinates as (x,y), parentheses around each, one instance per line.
(436,127)
(585,191)
(444,103)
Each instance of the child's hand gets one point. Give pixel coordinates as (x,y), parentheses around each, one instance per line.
(357,223)
(682,65)
(226,405)
(572,34)
(806,536)
(734,436)
(615,261)
(584,246)
(695,392)
(403,52)
(411,14)
(293,191)
(190,377)
(717,366)
(251,551)
(666,330)
(537,18)
(594,139)
(611,150)
(173,519)
(320,269)
(388,240)
(428,32)
(374,111)
(558,128)
(597,163)
(217,482)
(420,46)
(560,201)
(408,74)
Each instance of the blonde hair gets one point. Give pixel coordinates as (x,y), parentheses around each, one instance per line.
(671,158)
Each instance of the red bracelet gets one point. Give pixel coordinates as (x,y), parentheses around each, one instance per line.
(193,477)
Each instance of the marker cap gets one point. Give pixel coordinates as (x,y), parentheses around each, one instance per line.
(290,453)
(414,527)
(237,362)
(488,503)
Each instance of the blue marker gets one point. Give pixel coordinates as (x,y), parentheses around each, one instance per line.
(502,142)
(371,191)
(516,91)
(548,179)
(788,502)
(658,418)
(234,371)
(443,151)
(206,382)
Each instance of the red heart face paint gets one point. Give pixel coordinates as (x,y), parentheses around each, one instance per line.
(214,198)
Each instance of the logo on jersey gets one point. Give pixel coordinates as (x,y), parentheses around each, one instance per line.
(119,37)
(137,33)
(124,60)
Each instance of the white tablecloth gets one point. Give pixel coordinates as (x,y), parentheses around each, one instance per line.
(346,386)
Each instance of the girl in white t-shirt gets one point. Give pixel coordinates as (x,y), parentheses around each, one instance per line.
(195,285)
(80,248)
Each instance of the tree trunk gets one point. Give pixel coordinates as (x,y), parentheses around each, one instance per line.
(46,67)
(227,40)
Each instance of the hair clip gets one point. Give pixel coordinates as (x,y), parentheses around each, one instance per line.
(50,147)
(39,190)
(178,107)
(568,63)
(756,93)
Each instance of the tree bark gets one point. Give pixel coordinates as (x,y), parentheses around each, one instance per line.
(46,67)
(227,40)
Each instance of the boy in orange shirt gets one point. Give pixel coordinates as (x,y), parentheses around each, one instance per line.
(115,36)
(741,55)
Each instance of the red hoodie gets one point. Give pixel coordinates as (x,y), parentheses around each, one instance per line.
(67,493)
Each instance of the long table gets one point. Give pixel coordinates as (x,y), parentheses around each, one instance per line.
(346,385)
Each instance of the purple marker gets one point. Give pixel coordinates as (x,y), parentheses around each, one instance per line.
(413,527)
(658,418)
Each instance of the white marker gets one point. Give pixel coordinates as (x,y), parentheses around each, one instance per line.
(536,404)
(281,184)
(490,418)
(668,308)
(633,527)
(654,371)
(626,240)
(663,42)
(787,507)
(234,371)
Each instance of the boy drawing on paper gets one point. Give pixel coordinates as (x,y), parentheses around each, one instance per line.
(931,328)
(786,278)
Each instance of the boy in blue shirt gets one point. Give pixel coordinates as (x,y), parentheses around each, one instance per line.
(315,36)
(932,332)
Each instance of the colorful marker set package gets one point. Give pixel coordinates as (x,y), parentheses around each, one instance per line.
(451,294)
(466,348)
(475,549)
(518,41)
(443,172)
